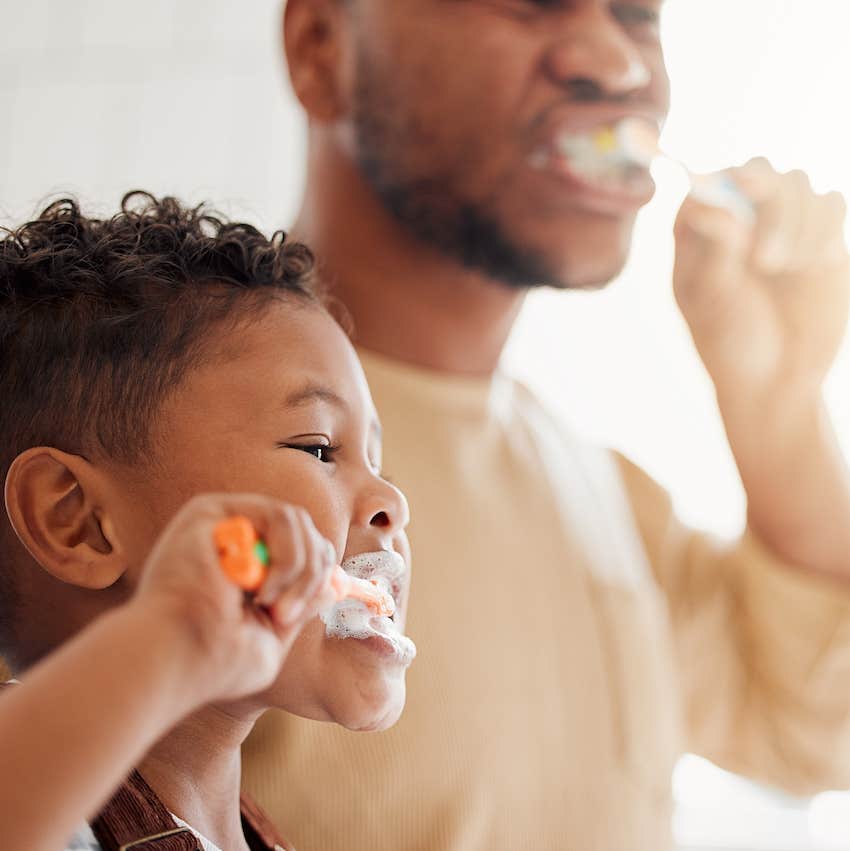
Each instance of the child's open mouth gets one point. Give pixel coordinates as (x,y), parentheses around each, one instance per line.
(351,618)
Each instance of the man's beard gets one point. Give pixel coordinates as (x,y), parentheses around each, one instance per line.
(427,204)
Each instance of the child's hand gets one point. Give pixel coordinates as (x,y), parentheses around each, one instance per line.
(237,646)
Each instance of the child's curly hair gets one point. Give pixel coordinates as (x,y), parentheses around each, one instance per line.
(100,318)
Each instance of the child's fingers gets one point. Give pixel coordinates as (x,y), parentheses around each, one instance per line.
(202,513)
(288,602)
(295,608)
(289,552)
(287,547)
(283,529)
(300,558)
(299,601)
(270,517)
(289,590)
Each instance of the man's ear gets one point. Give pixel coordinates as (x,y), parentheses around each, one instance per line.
(58,506)
(314,44)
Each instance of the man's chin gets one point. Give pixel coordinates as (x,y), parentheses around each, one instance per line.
(590,263)
(584,280)
(571,273)
(581,253)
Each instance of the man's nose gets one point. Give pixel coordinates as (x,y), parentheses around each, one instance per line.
(594,58)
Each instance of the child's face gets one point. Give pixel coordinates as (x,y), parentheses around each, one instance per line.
(255,418)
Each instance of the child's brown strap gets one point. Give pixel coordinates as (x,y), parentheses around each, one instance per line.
(134,818)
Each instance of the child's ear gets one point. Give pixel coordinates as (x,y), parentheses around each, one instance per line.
(58,506)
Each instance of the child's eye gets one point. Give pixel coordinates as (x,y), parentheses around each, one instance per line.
(320,451)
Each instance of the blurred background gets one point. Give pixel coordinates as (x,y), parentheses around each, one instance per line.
(189,97)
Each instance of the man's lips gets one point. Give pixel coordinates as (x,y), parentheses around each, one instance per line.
(603,166)
(624,192)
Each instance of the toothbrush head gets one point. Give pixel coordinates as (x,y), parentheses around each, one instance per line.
(637,140)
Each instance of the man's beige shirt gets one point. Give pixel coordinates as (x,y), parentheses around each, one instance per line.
(574,639)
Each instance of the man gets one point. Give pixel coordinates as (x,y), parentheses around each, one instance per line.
(574,638)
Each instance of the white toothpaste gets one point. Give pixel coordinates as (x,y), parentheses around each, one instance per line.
(350,618)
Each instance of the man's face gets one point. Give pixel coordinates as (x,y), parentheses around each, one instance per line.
(282,408)
(461,107)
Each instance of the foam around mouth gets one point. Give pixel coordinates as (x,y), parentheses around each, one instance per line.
(351,619)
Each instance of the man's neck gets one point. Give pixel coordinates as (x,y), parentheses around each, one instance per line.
(406,300)
(195,772)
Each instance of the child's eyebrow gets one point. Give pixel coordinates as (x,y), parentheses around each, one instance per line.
(314,393)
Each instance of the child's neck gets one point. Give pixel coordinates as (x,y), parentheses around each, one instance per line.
(195,772)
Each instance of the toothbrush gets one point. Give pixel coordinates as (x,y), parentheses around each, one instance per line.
(244,558)
(635,141)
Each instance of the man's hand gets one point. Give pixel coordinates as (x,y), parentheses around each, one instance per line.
(766,300)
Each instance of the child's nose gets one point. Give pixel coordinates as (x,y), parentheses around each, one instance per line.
(384,507)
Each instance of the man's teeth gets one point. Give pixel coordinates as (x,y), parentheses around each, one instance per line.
(609,153)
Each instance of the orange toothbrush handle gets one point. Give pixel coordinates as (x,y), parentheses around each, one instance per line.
(244,559)
(242,555)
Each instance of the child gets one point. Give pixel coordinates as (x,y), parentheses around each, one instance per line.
(146,359)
